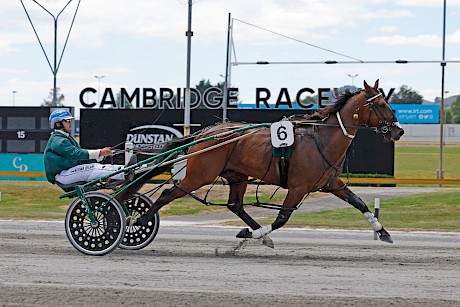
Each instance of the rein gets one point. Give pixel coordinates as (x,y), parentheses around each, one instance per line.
(300,123)
(386,124)
(205,149)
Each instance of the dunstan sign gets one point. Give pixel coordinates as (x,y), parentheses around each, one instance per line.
(151,136)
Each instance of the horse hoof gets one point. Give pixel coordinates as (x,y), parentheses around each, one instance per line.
(267,241)
(244,233)
(385,236)
(139,222)
(130,221)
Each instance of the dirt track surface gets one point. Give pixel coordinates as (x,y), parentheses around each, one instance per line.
(193,265)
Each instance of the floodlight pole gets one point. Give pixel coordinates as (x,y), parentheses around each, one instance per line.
(353,78)
(14,93)
(55,67)
(227,66)
(187,97)
(440,172)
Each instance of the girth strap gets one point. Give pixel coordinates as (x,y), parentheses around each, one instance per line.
(321,149)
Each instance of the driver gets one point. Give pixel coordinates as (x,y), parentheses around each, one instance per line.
(66,162)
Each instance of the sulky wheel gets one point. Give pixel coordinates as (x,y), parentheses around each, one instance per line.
(101,237)
(137,237)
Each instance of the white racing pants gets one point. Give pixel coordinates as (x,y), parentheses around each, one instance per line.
(88,172)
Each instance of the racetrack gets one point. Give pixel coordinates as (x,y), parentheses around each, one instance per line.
(201,265)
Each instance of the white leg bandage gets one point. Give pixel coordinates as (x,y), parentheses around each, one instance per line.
(264,230)
(375,224)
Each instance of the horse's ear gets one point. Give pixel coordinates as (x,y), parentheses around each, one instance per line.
(376,84)
(366,86)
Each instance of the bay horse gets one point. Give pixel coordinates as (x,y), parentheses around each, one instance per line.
(316,162)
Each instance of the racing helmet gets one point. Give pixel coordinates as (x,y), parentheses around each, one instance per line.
(58,116)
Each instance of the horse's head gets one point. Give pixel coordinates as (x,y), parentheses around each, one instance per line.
(376,113)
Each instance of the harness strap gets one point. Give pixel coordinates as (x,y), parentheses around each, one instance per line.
(283,166)
(335,166)
(321,149)
(373,97)
(344,130)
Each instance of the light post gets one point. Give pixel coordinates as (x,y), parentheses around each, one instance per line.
(353,78)
(440,171)
(99,88)
(14,93)
(55,67)
(189,35)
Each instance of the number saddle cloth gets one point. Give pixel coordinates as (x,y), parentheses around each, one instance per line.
(282,137)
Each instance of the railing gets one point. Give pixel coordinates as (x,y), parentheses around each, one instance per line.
(352,180)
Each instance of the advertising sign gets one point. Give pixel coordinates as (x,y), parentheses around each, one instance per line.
(416,113)
(22,167)
(151,136)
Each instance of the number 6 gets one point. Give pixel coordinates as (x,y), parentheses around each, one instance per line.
(281,133)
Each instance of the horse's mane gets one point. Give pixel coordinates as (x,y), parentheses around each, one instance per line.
(331,109)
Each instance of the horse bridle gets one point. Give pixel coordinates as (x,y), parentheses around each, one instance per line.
(385,124)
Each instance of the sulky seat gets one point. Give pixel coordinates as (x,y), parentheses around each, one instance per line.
(69,187)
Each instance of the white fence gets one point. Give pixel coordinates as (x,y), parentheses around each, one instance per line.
(430,133)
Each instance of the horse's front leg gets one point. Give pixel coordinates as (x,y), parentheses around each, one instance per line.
(339,189)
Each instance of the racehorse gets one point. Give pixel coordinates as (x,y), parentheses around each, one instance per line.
(315,164)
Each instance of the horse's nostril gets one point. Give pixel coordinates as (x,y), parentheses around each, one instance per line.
(401,132)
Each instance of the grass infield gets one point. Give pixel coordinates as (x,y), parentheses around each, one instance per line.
(432,211)
(428,211)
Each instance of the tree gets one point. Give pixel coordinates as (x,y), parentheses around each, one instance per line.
(453,114)
(126,103)
(308,99)
(406,95)
(59,99)
(203,85)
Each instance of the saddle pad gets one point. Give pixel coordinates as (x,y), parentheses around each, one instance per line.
(282,152)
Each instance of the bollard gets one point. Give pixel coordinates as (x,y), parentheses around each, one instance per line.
(128,151)
(376,213)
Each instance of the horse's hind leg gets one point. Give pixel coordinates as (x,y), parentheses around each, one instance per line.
(167,196)
(238,187)
(293,198)
(339,189)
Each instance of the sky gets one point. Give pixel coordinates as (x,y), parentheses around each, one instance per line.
(142,44)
